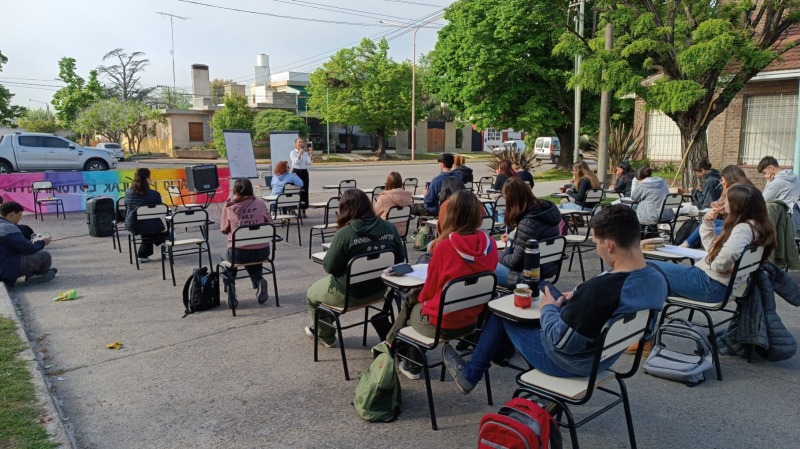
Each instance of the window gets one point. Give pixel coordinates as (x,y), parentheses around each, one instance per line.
(663,137)
(55,142)
(112,146)
(196,132)
(768,128)
(30,141)
(492,134)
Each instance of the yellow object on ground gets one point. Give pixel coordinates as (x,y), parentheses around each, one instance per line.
(116,345)
(68,295)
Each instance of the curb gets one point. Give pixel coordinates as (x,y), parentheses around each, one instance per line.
(52,418)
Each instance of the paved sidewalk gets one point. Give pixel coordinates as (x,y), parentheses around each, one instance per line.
(214,381)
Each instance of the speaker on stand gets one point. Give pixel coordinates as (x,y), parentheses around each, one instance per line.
(202,178)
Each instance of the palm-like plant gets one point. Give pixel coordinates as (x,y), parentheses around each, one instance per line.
(623,144)
(524,159)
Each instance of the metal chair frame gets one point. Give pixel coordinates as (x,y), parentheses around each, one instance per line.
(147,212)
(581,246)
(37,188)
(289,202)
(326,229)
(120,212)
(175,248)
(411,182)
(401,214)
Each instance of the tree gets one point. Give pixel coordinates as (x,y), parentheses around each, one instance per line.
(366,89)
(38,121)
(125,74)
(140,118)
(217,87)
(492,64)
(7,112)
(705,53)
(277,120)
(235,115)
(76,95)
(107,118)
(169,98)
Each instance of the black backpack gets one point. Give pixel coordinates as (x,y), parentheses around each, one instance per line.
(201,291)
(685,230)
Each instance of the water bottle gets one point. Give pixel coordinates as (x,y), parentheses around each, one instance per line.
(530,268)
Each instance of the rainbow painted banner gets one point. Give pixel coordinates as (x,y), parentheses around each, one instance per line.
(74,188)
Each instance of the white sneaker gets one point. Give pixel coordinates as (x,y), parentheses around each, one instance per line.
(144,259)
(408,371)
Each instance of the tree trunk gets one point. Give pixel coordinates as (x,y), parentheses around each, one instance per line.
(698,152)
(381,151)
(565,135)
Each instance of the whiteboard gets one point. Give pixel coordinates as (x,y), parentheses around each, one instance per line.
(281,143)
(241,159)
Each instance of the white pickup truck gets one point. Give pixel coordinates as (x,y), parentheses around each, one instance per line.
(39,151)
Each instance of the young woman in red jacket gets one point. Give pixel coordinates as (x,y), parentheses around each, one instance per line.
(463,250)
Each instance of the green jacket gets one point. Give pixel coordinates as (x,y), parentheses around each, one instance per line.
(359,237)
(786,251)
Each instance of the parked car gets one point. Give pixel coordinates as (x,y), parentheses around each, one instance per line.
(39,151)
(114,148)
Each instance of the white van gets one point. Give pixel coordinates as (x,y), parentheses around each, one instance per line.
(547,148)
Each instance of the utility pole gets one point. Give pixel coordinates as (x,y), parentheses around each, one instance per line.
(605,116)
(579,20)
(172,33)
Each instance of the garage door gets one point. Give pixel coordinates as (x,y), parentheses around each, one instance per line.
(663,138)
(769,128)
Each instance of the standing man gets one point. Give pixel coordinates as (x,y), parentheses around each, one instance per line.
(301,158)
(430,205)
(782,185)
(18,255)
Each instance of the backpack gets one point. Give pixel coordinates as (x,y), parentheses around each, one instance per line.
(681,352)
(685,230)
(422,238)
(521,423)
(201,291)
(378,396)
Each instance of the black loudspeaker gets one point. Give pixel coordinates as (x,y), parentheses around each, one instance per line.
(202,178)
(100,216)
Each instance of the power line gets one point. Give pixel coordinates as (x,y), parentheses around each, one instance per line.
(172,34)
(8,83)
(28,79)
(414,3)
(349,11)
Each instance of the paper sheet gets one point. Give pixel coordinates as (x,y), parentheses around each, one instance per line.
(686,252)
(420,272)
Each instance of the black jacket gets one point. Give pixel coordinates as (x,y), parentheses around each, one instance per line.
(711,191)
(499,181)
(132,201)
(579,195)
(464,172)
(526,176)
(624,184)
(538,223)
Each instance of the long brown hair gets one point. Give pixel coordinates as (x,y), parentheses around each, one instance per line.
(463,214)
(242,190)
(394,181)
(506,169)
(746,205)
(354,205)
(519,200)
(583,171)
(140,185)
(733,175)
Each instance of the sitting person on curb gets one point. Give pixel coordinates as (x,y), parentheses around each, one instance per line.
(140,194)
(563,344)
(393,195)
(533,219)
(360,232)
(746,222)
(18,255)
(241,209)
(283,177)
(463,250)
(430,205)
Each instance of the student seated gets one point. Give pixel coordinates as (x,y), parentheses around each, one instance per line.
(711,188)
(746,222)
(460,168)
(624,183)
(563,343)
(533,219)
(504,173)
(393,195)
(140,194)
(430,205)
(782,185)
(360,232)
(461,250)
(523,174)
(583,180)
(283,177)
(650,196)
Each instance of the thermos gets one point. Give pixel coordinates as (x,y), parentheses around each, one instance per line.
(531,269)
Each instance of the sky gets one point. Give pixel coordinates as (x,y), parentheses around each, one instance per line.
(36,34)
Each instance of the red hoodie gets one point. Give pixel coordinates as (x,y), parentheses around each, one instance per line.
(249,211)
(450,261)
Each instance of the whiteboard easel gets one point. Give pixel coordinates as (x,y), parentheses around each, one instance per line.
(241,159)
(281,143)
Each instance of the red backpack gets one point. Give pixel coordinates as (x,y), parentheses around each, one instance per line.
(520,424)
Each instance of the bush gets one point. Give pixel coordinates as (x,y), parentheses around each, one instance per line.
(636,163)
(668,167)
(525,159)
(235,115)
(277,120)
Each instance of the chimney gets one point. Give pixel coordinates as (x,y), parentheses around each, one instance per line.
(201,86)
(262,70)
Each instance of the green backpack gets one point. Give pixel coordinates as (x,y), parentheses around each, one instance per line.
(378,396)
(422,238)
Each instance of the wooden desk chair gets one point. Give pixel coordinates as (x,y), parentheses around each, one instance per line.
(617,335)
(39,188)
(458,294)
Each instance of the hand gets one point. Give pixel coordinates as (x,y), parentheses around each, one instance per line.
(715,205)
(47,240)
(711,215)
(547,299)
(504,238)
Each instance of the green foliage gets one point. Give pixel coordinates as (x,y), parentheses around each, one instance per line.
(76,95)
(361,86)
(38,121)
(137,114)
(20,413)
(124,75)
(217,87)
(235,115)
(638,163)
(277,120)
(7,112)
(108,118)
(169,98)
(668,167)
(525,159)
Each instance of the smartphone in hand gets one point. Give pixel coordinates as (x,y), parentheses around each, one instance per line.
(554,292)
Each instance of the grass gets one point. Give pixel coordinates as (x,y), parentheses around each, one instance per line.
(554,174)
(434,156)
(20,411)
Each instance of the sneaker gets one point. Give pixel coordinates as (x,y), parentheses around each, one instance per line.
(455,366)
(144,259)
(40,278)
(413,372)
(54,270)
(327,343)
(232,302)
(262,292)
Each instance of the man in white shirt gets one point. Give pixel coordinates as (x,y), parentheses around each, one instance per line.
(300,159)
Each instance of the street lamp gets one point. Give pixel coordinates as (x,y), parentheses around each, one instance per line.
(414,30)
(47,105)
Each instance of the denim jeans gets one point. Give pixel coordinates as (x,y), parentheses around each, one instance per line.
(694,238)
(502,272)
(690,282)
(573,206)
(526,338)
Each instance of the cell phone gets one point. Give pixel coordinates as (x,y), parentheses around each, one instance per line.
(554,292)
(310,146)
(46,235)
(402,268)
